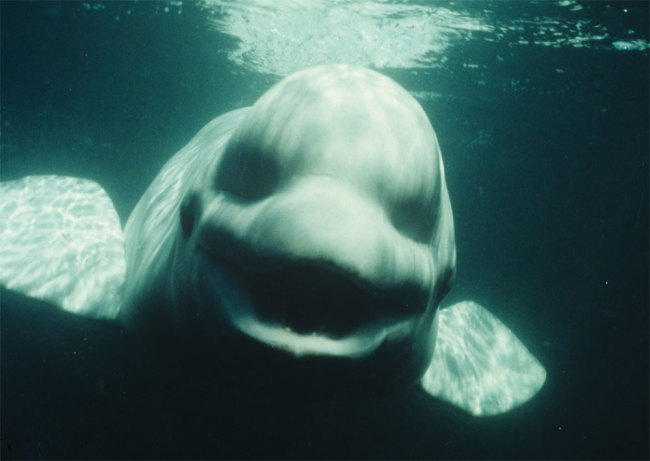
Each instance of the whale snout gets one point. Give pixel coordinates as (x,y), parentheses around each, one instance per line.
(317,257)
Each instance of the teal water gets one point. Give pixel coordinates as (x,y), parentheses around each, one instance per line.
(541,110)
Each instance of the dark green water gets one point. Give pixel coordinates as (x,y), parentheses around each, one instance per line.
(546,156)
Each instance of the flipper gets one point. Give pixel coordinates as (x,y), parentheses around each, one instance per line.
(61,242)
(478,364)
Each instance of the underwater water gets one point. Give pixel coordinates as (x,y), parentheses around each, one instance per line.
(541,111)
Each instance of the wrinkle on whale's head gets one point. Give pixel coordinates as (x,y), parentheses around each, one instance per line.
(320,236)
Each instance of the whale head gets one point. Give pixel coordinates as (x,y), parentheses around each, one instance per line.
(318,236)
(301,246)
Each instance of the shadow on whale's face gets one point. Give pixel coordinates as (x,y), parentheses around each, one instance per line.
(322,241)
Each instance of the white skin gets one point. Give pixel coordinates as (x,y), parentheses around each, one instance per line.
(334,173)
(301,245)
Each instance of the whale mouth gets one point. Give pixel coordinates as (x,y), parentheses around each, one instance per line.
(317,260)
(316,298)
(314,309)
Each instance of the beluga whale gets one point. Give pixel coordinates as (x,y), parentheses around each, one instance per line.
(303,243)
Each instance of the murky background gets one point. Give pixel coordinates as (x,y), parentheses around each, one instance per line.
(541,110)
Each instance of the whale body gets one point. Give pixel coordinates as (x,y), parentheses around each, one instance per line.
(303,243)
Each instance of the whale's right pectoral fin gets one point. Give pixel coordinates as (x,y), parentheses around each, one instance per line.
(478,364)
(61,242)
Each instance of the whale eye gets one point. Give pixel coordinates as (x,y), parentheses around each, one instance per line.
(188,212)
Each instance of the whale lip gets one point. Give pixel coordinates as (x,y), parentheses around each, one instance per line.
(308,308)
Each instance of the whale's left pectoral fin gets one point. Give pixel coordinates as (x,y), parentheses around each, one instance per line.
(61,242)
(478,364)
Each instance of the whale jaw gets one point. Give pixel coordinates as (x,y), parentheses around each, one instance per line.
(272,356)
